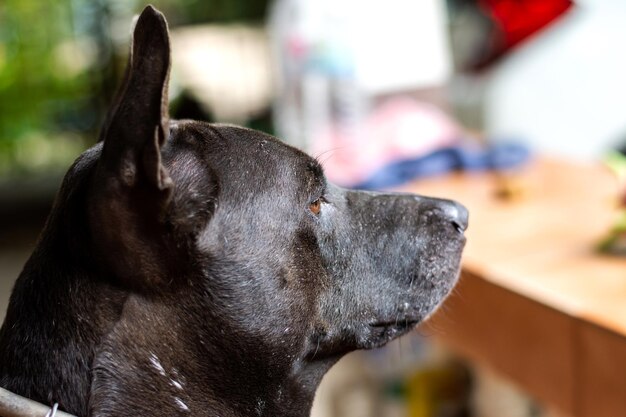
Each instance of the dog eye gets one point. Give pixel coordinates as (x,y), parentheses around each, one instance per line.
(316,206)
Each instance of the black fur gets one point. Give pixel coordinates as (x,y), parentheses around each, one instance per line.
(183,272)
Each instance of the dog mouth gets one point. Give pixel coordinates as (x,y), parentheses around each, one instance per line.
(396,324)
(364,336)
(382,332)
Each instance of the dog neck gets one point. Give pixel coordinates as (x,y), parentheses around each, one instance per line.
(42,355)
(195,368)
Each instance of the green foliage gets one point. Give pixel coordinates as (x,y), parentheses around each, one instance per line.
(615,241)
(42,77)
(58,70)
(214,11)
(617,163)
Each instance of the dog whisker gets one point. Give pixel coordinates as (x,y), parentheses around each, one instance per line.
(328,154)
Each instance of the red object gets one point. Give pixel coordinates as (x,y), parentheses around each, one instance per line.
(516,20)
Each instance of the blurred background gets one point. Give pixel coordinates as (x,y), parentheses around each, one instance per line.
(384,94)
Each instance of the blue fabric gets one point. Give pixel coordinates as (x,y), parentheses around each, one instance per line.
(494,156)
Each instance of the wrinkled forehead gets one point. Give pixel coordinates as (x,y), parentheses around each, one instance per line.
(246,162)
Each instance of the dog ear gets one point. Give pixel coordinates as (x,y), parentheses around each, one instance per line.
(131,188)
(137,125)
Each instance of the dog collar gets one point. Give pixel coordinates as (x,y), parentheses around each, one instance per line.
(13,405)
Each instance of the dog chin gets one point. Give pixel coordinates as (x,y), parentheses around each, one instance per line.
(384,331)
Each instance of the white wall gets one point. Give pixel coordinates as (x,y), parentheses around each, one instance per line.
(564,91)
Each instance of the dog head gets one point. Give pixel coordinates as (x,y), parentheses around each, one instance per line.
(246,274)
(267,258)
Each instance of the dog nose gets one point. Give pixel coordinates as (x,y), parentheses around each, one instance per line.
(451,211)
(457,213)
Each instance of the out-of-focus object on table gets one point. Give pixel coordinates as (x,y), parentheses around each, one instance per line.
(536,302)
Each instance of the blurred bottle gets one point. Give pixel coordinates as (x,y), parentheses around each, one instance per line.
(351,77)
(316,70)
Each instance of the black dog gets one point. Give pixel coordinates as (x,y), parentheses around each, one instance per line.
(197,269)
